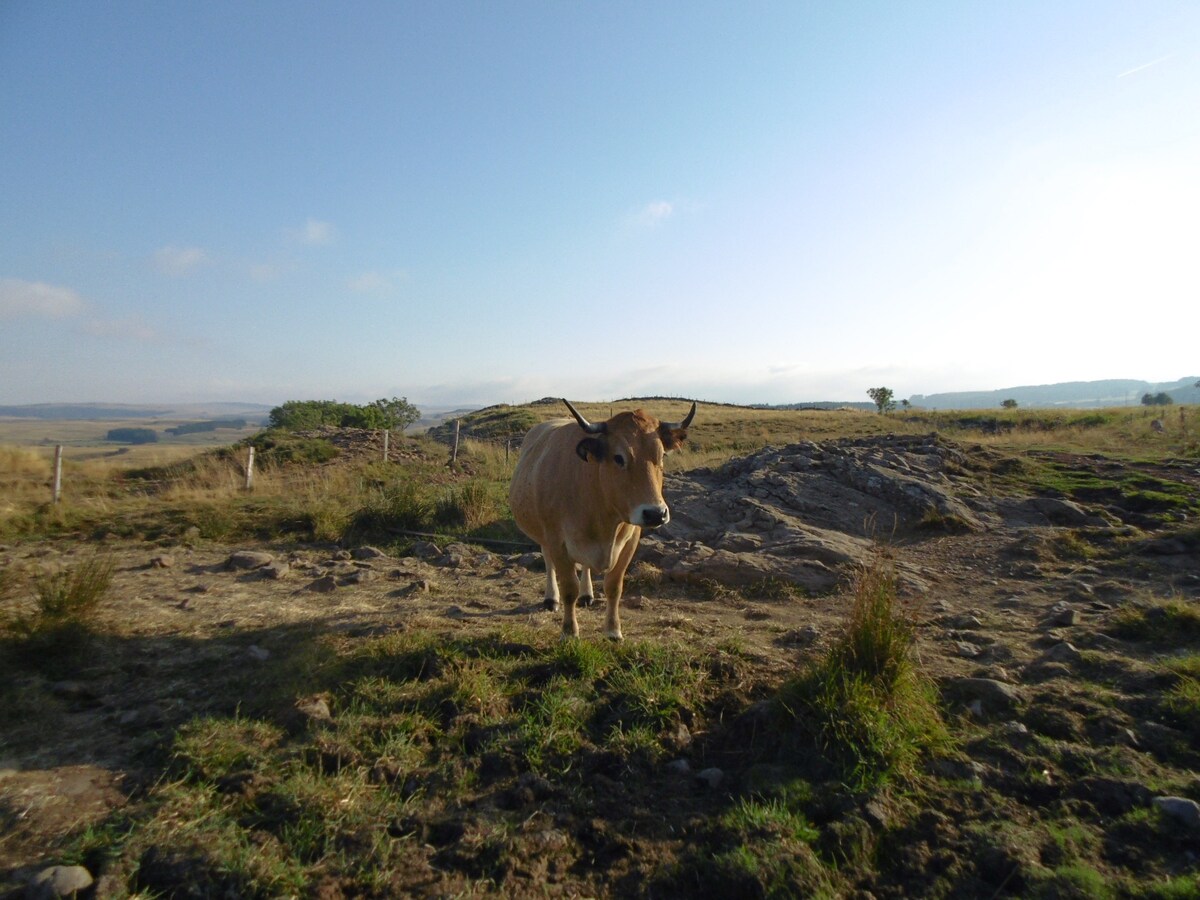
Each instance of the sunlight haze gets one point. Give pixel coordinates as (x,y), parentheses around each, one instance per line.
(468,203)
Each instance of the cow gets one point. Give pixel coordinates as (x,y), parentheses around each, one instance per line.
(584,492)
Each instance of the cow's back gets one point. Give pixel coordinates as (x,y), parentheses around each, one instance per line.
(542,482)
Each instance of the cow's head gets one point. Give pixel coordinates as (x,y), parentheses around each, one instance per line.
(630,448)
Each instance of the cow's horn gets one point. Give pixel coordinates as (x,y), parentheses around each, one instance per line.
(584,423)
(673,426)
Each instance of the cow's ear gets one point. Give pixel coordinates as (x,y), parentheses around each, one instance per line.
(672,438)
(591,449)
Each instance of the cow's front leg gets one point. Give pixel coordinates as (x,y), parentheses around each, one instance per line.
(551,593)
(568,589)
(614,585)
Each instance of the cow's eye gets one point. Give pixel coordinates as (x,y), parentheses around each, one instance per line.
(619,460)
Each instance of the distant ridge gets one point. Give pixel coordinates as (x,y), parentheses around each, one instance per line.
(1071,394)
(135,411)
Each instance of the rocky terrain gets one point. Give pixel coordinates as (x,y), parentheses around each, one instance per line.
(1022,597)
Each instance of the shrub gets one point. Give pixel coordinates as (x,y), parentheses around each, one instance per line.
(296,415)
(132,435)
(65,601)
(279,447)
(470,505)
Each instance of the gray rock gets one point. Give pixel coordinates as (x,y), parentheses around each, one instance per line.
(259,653)
(1065,617)
(1180,808)
(992,692)
(58,881)
(426,550)
(966,649)
(248,559)
(1059,512)
(679,767)
(276,570)
(710,778)
(368,553)
(324,585)
(532,561)
(1064,652)
(965,622)
(316,708)
(875,814)
(358,576)
(162,561)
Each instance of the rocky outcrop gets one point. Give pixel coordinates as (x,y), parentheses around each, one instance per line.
(806,512)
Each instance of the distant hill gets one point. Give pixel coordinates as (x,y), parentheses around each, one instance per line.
(56,411)
(1073,394)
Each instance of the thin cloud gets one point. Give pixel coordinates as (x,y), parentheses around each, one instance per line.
(265,272)
(654,213)
(178,261)
(313,233)
(373,282)
(133,329)
(1144,66)
(19,299)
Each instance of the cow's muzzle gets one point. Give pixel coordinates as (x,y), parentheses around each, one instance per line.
(650,516)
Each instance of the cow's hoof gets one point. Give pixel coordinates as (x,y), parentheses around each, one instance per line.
(567,636)
(550,604)
(587,600)
(615,638)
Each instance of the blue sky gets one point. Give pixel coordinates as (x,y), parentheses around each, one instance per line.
(494,202)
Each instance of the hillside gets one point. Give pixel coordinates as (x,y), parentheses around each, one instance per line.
(1074,394)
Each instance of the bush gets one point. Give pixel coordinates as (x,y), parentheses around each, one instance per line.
(278,448)
(469,505)
(298,415)
(65,601)
(132,435)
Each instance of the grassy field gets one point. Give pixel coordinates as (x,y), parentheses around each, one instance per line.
(197,483)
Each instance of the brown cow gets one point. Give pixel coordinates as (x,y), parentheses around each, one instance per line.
(584,492)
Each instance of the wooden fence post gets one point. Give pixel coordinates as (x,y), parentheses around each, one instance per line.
(58,473)
(386,434)
(250,469)
(454,452)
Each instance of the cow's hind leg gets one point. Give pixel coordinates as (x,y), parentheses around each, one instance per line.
(587,594)
(614,584)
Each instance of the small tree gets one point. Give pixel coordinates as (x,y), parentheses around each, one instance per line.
(1162,398)
(397,413)
(882,398)
(1009,404)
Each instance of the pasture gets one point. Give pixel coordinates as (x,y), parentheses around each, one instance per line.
(384,709)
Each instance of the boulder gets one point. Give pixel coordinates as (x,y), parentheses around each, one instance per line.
(248,559)
(58,881)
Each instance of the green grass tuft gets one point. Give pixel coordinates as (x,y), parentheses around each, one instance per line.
(1171,623)
(866,705)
